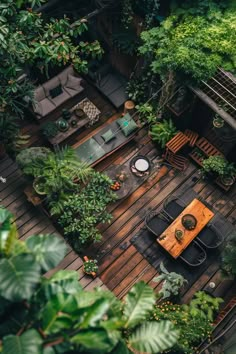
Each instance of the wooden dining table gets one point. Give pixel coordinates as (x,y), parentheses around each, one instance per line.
(168,240)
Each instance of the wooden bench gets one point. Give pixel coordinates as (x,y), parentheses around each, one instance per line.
(193,136)
(177,142)
(177,161)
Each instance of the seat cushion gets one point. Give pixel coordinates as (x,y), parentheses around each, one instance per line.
(56,91)
(51,84)
(108,136)
(73,82)
(39,94)
(89,151)
(44,107)
(63,76)
(73,92)
(127,124)
(58,100)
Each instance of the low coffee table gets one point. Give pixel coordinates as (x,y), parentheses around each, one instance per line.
(91,115)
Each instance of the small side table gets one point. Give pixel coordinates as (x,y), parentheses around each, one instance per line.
(129,107)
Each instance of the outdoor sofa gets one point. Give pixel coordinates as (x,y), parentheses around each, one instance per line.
(109,139)
(53,93)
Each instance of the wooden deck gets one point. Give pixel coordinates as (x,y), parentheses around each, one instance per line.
(120,264)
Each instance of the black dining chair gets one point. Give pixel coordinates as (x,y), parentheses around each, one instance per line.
(194,255)
(210,237)
(156,222)
(173,206)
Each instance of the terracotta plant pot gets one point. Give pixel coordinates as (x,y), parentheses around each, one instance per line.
(93,274)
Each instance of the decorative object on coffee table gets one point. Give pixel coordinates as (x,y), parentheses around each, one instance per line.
(179,234)
(189,221)
(49,129)
(79,113)
(140,166)
(74,123)
(66,114)
(91,111)
(62,125)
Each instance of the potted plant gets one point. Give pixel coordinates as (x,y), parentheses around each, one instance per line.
(179,234)
(218,122)
(229,176)
(49,129)
(90,266)
(189,221)
(162,132)
(39,185)
(215,165)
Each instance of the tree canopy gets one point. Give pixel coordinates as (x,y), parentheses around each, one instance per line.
(26,38)
(193,43)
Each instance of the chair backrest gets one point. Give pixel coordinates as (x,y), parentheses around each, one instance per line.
(194,255)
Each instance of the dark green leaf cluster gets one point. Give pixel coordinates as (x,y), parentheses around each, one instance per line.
(163,131)
(229,257)
(42,315)
(192,329)
(192,46)
(82,212)
(28,38)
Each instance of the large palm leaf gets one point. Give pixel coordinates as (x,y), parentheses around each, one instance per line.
(138,303)
(153,337)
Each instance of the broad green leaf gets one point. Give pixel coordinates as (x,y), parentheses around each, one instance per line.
(28,343)
(138,303)
(95,313)
(56,314)
(62,281)
(153,337)
(95,340)
(121,348)
(49,250)
(18,277)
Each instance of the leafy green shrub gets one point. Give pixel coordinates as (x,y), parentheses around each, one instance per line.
(228,256)
(215,164)
(83,211)
(163,131)
(55,315)
(204,305)
(146,113)
(173,282)
(27,156)
(192,329)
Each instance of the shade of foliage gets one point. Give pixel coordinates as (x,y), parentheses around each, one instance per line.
(26,37)
(163,131)
(229,256)
(172,282)
(10,135)
(193,329)
(41,315)
(83,211)
(60,172)
(191,44)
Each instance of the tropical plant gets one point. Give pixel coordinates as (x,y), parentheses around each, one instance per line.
(83,211)
(27,156)
(146,113)
(90,266)
(28,37)
(172,282)
(192,330)
(60,171)
(228,257)
(49,129)
(192,46)
(163,131)
(55,315)
(10,135)
(204,305)
(215,164)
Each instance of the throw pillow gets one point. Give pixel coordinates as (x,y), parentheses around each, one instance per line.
(108,136)
(127,124)
(73,82)
(56,91)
